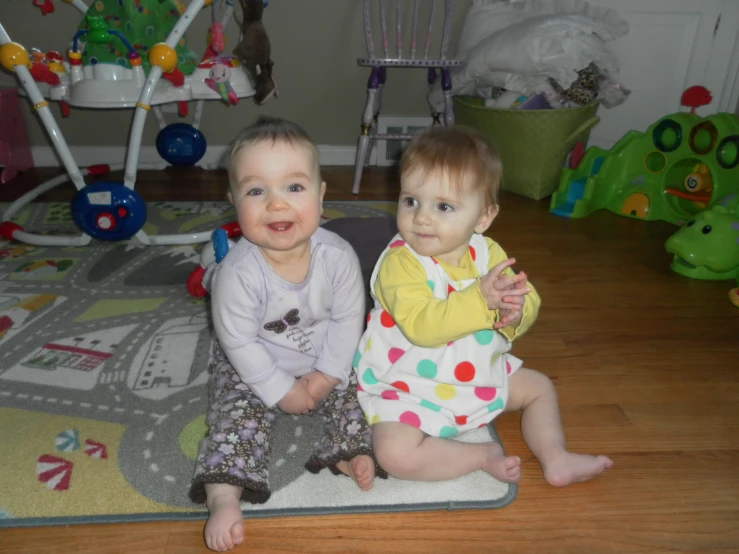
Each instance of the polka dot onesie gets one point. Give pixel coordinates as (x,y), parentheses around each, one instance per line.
(446,390)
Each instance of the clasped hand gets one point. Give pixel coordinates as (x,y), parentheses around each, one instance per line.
(505,293)
(307,392)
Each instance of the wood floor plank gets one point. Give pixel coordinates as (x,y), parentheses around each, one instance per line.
(646,365)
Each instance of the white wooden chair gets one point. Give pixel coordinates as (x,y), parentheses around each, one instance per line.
(406,55)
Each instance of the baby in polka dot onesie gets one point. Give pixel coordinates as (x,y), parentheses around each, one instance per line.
(434,361)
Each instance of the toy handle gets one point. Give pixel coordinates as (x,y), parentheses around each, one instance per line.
(581,130)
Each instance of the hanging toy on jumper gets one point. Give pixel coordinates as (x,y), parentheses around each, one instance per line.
(254,50)
(215,41)
(219,81)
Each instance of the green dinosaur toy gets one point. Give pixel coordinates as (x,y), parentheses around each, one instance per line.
(707,246)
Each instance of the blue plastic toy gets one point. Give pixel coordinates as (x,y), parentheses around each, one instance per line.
(181,144)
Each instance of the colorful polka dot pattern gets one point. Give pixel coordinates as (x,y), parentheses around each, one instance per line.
(485,393)
(410,418)
(430,406)
(394,354)
(427,369)
(448,432)
(369,377)
(464,372)
(386,320)
(495,406)
(484,337)
(415,396)
(445,392)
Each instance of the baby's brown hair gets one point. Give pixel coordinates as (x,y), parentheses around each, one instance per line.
(458,153)
(273,130)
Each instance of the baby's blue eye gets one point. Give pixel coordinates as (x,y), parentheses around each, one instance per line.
(410,202)
(444,207)
(254,192)
(295,188)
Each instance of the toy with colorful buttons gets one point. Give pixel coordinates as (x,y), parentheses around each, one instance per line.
(683,170)
(681,165)
(119,55)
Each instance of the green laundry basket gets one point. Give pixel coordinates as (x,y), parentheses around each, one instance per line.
(533,144)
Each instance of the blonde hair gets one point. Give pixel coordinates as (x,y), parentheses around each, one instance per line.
(273,130)
(459,153)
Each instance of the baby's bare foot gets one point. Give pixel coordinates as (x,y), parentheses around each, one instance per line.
(567,468)
(225,526)
(503,468)
(361,469)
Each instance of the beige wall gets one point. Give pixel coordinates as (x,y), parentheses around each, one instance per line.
(315,44)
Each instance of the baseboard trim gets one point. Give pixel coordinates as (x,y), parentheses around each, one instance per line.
(46,156)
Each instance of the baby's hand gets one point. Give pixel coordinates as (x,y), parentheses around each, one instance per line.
(298,399)
(508,317)
(502,292)
(319,384)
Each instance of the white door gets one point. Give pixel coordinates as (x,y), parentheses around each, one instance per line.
(671,45)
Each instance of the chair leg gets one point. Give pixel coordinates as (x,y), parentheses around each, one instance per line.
(364,138)
(446,87)
(377,108)
(362,153)
(431,80)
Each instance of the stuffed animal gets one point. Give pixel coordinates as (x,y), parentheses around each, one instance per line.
(254,50)
(219,81)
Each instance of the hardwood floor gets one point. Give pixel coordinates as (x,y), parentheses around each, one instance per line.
(646,364)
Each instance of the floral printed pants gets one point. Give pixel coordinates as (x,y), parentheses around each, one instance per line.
(237,448)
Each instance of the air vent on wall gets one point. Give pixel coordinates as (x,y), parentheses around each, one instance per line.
(390,151)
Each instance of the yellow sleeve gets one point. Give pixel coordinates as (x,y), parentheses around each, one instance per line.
(531,303)
(402,289)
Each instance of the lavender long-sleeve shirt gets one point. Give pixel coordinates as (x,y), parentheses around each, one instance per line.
(273,331)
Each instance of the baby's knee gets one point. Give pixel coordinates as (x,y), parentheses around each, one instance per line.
(527,385)
(394,456)
(541,384)
(397,462)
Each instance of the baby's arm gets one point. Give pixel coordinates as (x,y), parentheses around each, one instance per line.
(532,301)
(237,306)
(346,323)
(426,321)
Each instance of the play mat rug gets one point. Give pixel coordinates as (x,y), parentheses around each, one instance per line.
(103,386)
